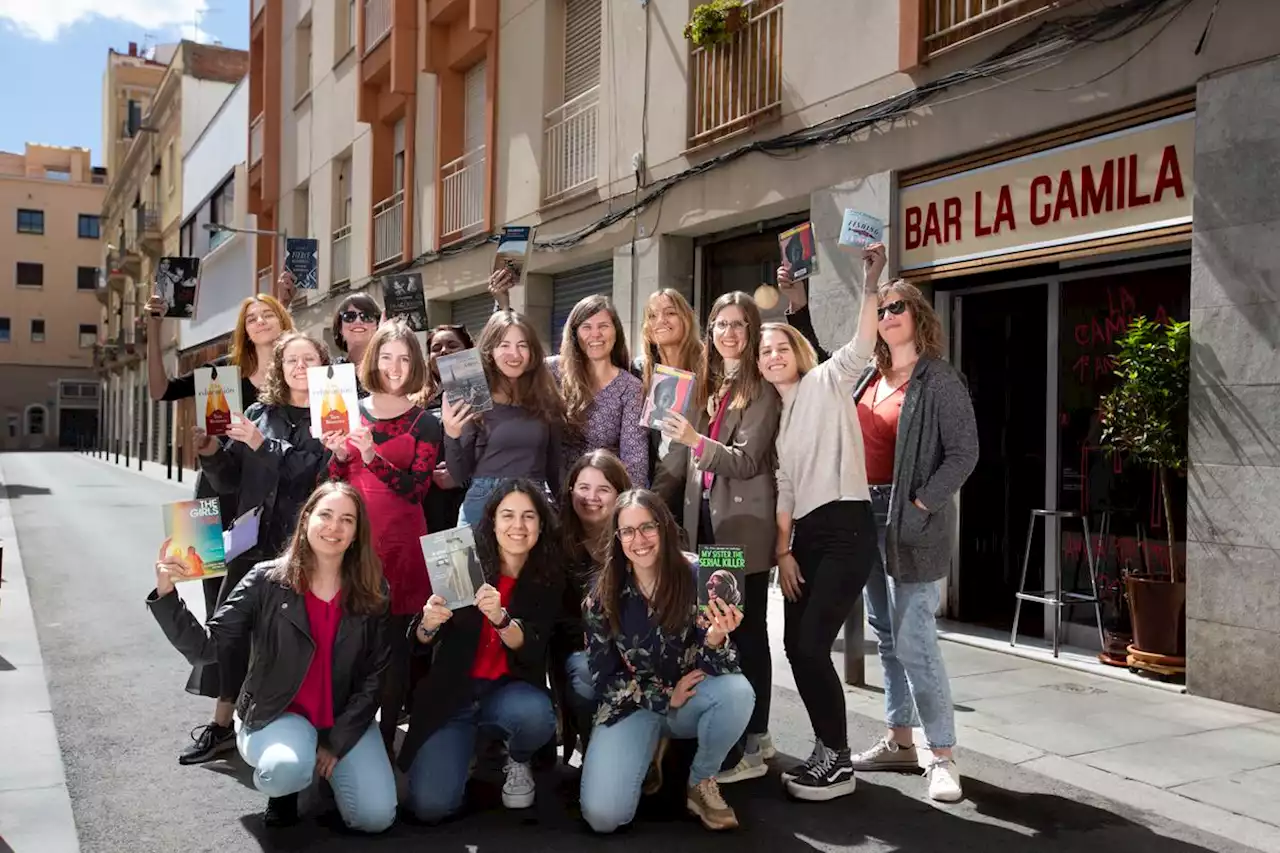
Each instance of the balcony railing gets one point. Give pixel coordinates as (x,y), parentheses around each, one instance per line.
(739,81)
(264,281)
(148,219)
(377,22)
(948,23)
(462,185)
(569,152)
(388,229)
(255,139)
(341,272)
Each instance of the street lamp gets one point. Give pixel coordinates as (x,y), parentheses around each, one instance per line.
(218,227)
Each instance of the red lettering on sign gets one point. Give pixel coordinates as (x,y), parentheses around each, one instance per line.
(979,230)
(1066,200)
(1004,210)
(1120,183)
(913,228)
(932,230)
(951,210)
(1039,216)
(1096,195)
(1135,198)
(1170,174)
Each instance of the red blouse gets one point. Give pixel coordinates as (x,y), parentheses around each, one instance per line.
(491,654)
(315,697)
(879,422)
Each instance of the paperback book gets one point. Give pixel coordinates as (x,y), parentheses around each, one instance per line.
(799,251)
(178,283)
(335,404)
(859,230)
(193,534)
(405,299)
(462,378)
(302,258)
(453,565)
(217,397)
(670,391)
(721,575)
(514,248)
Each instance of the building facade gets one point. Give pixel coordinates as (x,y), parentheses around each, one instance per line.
(50,199)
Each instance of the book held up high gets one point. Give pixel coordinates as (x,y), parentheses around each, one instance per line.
(670,391)
(335,404)
(859,230)
(193,534)
(722,575)
(514,248)
(217,397)
(178,283)
(453,566)
(302,258)
(462,378)
(405,299)
(799,251)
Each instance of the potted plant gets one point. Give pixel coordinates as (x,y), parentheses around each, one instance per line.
(714,22)
(1145,417)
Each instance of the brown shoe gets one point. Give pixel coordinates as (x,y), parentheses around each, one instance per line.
(653,779)
(704,800)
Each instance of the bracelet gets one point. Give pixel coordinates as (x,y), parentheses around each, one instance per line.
(427,633)
(505,623)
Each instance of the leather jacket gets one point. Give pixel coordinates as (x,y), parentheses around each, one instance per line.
(274,617)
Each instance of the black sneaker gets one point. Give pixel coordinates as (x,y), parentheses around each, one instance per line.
(210,741)
(281,811)
(830,777)
(801,769)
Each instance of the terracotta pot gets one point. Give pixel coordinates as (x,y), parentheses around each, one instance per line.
(1158,608)
(1115,648)
(733,20)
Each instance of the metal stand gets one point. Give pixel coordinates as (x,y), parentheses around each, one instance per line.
(1056,598)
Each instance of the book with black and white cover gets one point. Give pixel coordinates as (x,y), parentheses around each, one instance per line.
(302,258)
(671,390)
(514,248)
(217,397)
(178,283)
(453,566)
(462,378)
(406,300)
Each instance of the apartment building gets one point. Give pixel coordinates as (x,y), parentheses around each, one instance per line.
(49,203)
(154,114)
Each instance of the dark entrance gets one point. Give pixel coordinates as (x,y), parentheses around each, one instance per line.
(77,427)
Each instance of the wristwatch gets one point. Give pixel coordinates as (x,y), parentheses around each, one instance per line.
(505,623)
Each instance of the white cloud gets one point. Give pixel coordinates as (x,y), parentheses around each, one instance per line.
(45,19)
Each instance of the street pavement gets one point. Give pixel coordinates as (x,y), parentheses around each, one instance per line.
(88,532)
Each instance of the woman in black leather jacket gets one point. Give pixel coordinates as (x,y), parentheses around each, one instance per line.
(316,617)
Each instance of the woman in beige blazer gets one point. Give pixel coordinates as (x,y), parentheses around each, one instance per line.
(730,494)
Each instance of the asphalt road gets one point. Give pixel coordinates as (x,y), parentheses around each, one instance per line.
(88,533)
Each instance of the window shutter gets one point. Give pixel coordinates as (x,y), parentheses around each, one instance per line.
(581,46)
(473,116)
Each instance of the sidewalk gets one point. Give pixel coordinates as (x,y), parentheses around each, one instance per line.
(151,470)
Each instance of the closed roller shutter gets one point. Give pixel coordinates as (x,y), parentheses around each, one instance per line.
(581,46)
(473,312)
(567,289)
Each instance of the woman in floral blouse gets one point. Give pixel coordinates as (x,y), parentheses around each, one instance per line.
(657,673)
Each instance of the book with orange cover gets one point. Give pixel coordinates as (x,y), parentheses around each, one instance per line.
(217,397)
(335,403)
(193,534)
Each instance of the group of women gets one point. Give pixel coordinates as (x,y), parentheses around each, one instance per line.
(327,632)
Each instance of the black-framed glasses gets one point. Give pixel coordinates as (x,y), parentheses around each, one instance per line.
(355,315)
(896,307)
(648,530)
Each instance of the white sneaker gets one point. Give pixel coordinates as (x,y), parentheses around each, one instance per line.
(767,750)
(944,780)
(886,755)
(518,790)
(751,766)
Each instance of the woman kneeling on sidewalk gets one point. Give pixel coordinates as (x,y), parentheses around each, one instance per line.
(657,673)
(316,618)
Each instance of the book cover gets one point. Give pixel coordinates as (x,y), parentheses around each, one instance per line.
(335,405)
(514,248)
(302,258)
(217,397)
(670,391)
(859,230)
(462,377)
(193,534)
(242,534)
(799,251)
(453,565)
(404,298)
(178,283)
(722,575)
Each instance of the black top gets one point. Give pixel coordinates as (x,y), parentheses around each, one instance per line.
(184,387)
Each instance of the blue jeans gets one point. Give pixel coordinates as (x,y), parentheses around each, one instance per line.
(916,688)
(477,496)
(618,755)
(520,712)
(283,757)
(582,693)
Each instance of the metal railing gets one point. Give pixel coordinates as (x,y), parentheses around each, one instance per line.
(388,229)
(264,281)
(948,22)
(569,148)
(735,82)
(255,139)
(148,219)
(462,187)
(341,265)
(377,22)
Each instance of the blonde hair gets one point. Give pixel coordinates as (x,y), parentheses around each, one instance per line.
(928,328)
(690,346)
(806,357)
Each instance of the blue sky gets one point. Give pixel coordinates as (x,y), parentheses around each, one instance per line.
(53,52)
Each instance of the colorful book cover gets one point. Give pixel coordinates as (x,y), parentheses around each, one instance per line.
(462,377)
(799,251)
(405,299)
(453,565)
(722,575)
(670,391)
(859,230)
(302,258)
(193,534)
(217,397)
(335,404)
(178,282)
(514,248)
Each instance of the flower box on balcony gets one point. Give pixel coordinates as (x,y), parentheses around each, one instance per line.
(714,22)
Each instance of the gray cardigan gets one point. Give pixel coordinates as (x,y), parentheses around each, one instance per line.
(936,451)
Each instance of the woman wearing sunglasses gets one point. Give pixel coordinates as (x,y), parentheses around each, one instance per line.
(354,323)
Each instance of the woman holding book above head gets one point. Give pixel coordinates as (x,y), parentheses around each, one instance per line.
(354,323)
(316,614)
(658,674)
(444,498)
(390,460)
(520,435)
(489,665)
(730,494)
(267,461)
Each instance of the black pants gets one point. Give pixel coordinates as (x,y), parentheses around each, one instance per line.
(835,548)
(395,678)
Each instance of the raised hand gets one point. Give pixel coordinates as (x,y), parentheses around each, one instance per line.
(169,570)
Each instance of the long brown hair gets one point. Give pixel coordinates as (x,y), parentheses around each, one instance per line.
(275,391)
(578,546)
(690,348)
(371,377)
(575,380)
(675,594)
(243,354)
(743,388)
(928,336)
(535,390)
(361,569)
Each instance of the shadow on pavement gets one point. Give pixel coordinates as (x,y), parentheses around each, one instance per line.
(17,490)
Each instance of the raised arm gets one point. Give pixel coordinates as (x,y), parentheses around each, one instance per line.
(851,358)
(230,625)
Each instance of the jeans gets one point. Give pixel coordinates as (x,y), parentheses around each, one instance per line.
(582,693)
(477,496)
(283,757)
(619,754)
(835,548)
(438,777)
(916,688)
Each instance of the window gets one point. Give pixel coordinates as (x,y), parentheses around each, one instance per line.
(397,160)
(187,240)
(302,59)
(344,29)
(581,47)
(221,211)
(4,330)
(88,337)
(57,175)
(343,195)
(35,420)
(37,331)
(169,168)
(134,120)
(86,278)
(30,275)
(89,227)
(30,221)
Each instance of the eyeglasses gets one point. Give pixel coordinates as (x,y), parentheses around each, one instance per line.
(647,530)
(354,315)
(722,326)
(894,308)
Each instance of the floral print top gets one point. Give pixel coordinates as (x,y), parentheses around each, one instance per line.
(639,666)
(613,424)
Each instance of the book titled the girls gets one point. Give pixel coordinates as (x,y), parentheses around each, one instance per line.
(193,534)
(217,397)
(178,282)
(670,391)
(722,575)
(798,251)
(335,404)
(453,566)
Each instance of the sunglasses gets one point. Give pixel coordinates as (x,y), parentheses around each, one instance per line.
(894,308)
(352,315)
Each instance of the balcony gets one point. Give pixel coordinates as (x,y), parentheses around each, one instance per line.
(738,84)
(341,268)
(149,232)
(255,140)
(462,189)
(569,147)
(946,24)
(388,230)
(377,23)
